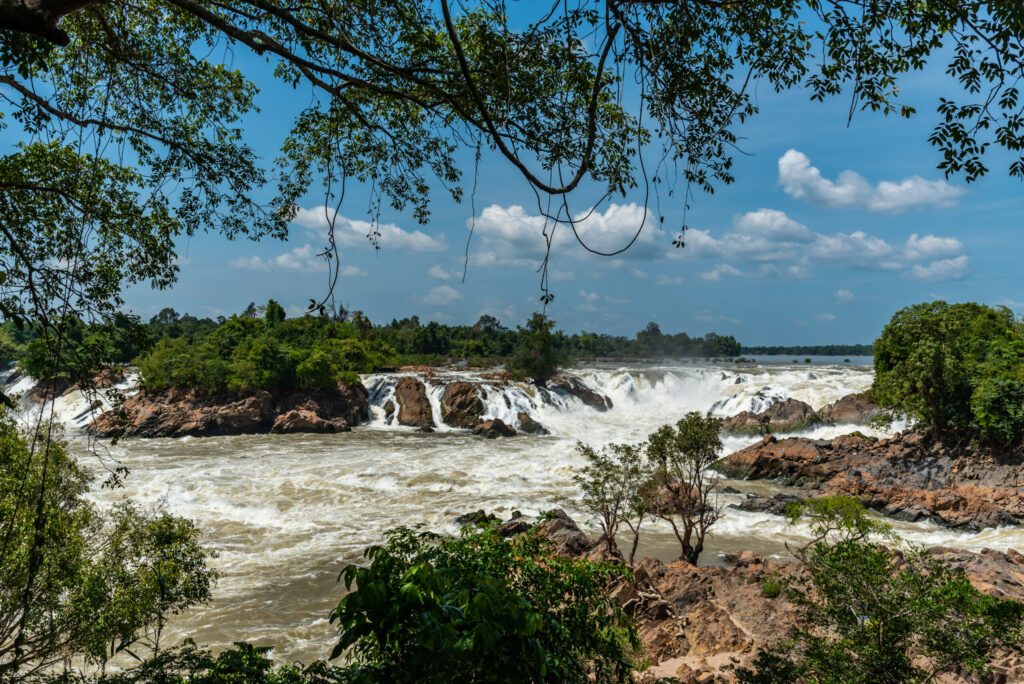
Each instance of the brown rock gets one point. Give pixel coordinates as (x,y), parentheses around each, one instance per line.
(305,420)
(179,413)
(789,415)
(570,384)
(413,404)
(529,426)
(568,538)
(908,477)
(461,405)
(853,409)
(494,428)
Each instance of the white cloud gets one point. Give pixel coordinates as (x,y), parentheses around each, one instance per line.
(669,280)
(717,272)
(589,296)
(789,249)
(442,295)
(941,269)
(439,273)
(303,258)
(932,247)
(826,317)
(355,232)
(253,263)
(801,180)
(639,274)
(845,296)
(512,237)
(772,224)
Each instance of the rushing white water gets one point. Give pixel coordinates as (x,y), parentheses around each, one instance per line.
(286,512)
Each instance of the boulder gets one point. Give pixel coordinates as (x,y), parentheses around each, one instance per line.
(529,426)
(461,404)
(853,409)
(494,428)
(477,517)
(570,384)
(788,415)
(389,412)
(775,505)
(565,534)
(305,420)
(180,413)
(413,404)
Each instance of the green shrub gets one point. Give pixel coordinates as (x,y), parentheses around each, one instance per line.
(75,581)
(771,585)
(956,368)
(536,355)
(260,363)
(482,608)
(872,613)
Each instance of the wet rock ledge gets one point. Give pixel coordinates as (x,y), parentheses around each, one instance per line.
(183,413)
(908,477)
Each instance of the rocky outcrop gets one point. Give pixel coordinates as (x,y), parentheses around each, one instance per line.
(413,404)
(909,476)
(181,413)
(853,409)
(529,426)
(570,384)
(562,531)
(307,420)
(494,428)
(788,415)
(462,405)
(694,620)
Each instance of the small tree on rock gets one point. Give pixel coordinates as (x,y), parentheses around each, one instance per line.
(616,485)
(681,457)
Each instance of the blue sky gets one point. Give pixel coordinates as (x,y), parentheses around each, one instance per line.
(827,231)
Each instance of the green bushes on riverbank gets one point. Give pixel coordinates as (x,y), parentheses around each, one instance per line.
(956,368)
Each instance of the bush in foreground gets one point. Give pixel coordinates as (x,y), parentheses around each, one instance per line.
(482,608)
(873,613)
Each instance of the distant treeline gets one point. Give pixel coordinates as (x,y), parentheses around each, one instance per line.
(263,348)
(814,350)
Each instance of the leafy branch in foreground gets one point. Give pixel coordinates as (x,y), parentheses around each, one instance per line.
(482,608)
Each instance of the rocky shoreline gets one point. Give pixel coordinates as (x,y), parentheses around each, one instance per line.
(908,476)
(185,412)
(693,620)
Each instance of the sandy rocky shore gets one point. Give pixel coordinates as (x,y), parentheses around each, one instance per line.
(693,620)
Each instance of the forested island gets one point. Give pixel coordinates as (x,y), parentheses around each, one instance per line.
(262,348)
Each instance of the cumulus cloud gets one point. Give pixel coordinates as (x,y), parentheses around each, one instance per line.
(826,317)
(511,236)
(303,258)
(845,296)
(438,273)
(589,296)
(669,280)
(355,232)
(942,269)
(442,295)
(789,249)
(801,180)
